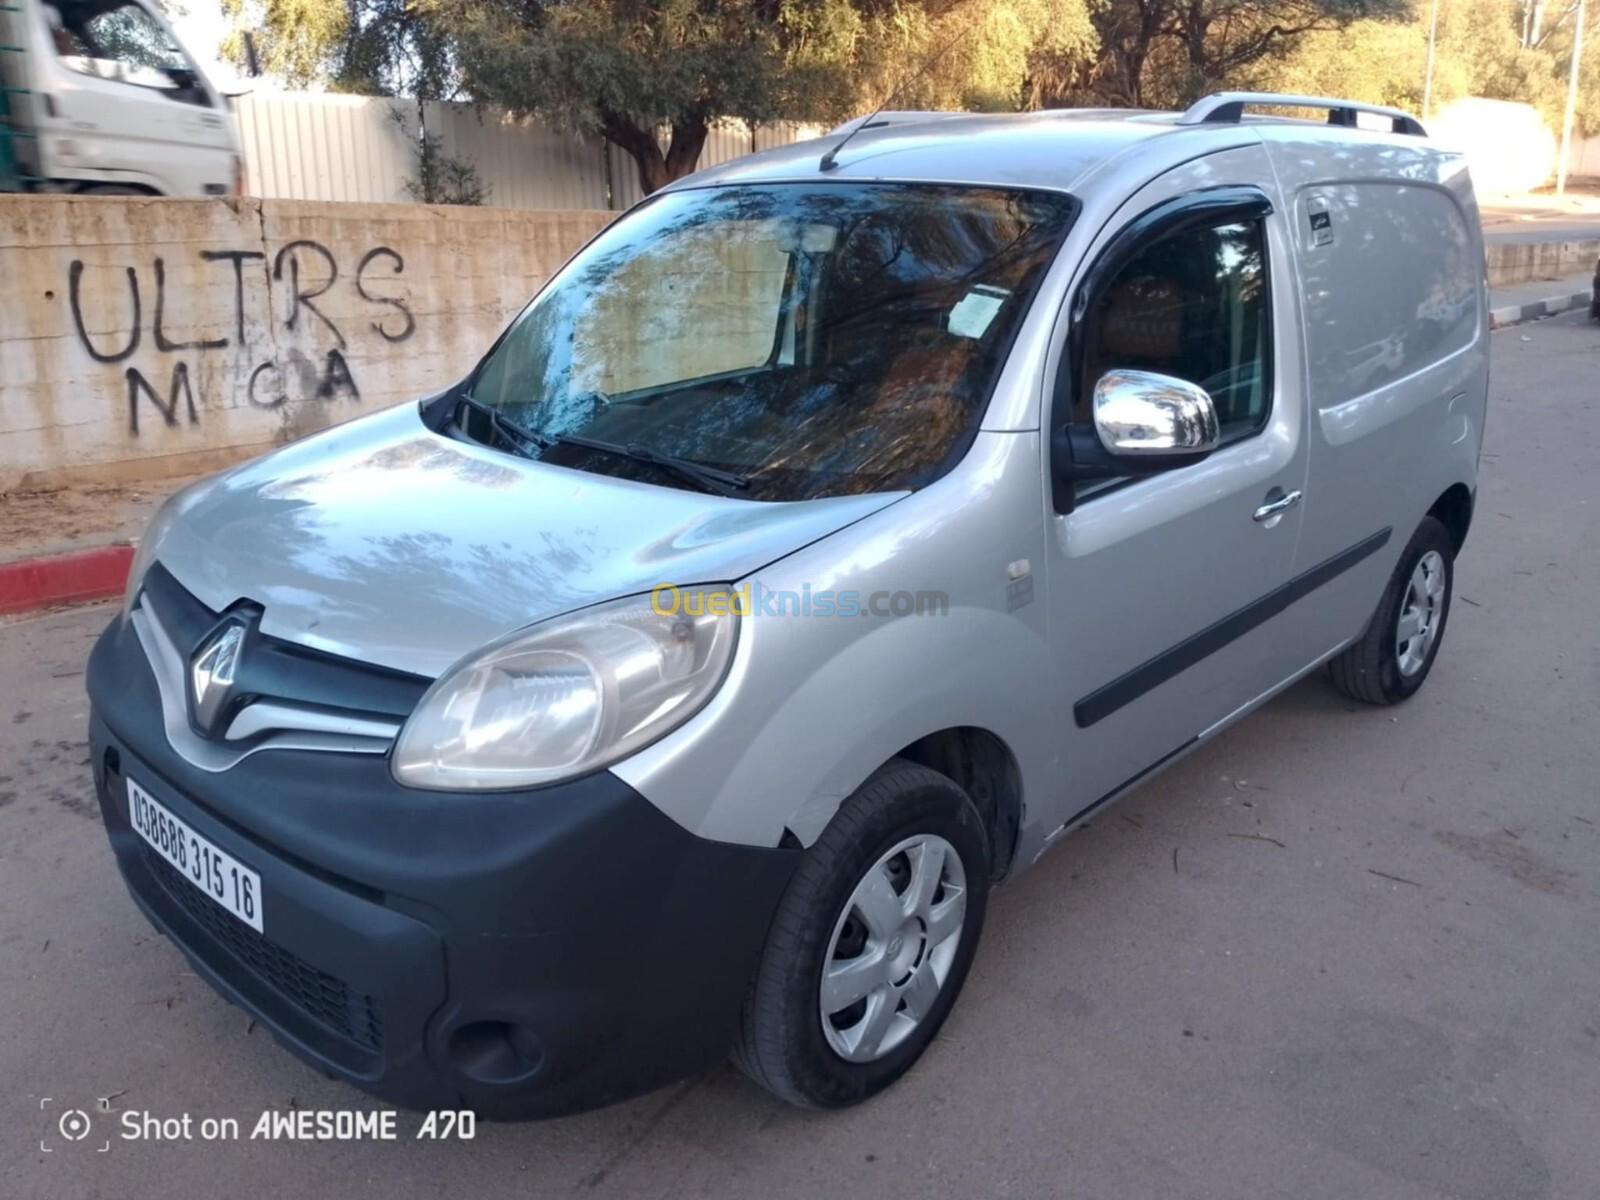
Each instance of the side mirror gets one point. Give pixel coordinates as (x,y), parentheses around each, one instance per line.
(1143,423)
(1142,414)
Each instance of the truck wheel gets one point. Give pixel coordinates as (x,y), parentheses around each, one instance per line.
(870,944)
(1396,653)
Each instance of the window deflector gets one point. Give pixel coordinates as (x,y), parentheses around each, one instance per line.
(1211,207)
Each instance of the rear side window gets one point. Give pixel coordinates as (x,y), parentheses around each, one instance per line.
(1391,284)
(1191,304)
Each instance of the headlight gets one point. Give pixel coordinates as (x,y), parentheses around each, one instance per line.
(567,696)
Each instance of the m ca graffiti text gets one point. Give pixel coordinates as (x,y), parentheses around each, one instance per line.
(286,345)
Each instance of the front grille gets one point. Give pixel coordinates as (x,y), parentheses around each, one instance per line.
(286,673)
(325,998)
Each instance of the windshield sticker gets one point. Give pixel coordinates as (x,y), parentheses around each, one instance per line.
(975,311)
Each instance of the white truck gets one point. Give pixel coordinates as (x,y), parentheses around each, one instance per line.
(99,96)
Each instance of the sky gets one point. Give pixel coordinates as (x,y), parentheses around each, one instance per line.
(201,25)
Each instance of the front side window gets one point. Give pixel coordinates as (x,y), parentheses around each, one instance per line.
(119,41)
(1191,304)
(808,339)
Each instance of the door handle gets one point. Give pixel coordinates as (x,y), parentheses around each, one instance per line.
(1278,502)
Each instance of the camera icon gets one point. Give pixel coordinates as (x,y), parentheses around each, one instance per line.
(73,1125)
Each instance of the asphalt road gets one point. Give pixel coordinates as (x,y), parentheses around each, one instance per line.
(1574,220)
(1338,953)
(1556,227)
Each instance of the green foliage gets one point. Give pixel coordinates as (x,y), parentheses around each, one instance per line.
(372,47)
(640,70)
(650,75)
(440,179)
(972,55)
(297,39)
(1167,53)
(1479,52)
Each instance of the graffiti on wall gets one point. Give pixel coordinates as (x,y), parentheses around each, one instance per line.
(162,383)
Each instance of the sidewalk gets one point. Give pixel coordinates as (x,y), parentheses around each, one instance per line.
(74,545)
(1519,302)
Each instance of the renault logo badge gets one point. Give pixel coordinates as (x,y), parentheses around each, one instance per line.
(211,673)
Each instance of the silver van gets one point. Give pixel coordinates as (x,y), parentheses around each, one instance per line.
(833,534)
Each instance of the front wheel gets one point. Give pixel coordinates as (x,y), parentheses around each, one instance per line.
(871,943)
(1394,656)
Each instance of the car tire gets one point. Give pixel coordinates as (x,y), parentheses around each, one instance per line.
(836,915)
(1386,667)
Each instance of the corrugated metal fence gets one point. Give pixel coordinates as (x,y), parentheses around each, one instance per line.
(302,146)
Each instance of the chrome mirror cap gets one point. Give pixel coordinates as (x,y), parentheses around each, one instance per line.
(1144,413)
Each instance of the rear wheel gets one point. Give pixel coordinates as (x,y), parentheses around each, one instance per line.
(871,943)
(1394,656)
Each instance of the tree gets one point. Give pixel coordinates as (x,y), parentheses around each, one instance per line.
(1479,52)
(625,69)
(1167,53)
(652,75)
(371,47)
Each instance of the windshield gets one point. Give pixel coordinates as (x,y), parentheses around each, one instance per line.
(803,340)
(121,41)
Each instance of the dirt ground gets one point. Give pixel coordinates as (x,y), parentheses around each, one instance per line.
(55,522)
(1340,952)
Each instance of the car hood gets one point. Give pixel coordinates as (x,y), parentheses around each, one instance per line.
(385,542)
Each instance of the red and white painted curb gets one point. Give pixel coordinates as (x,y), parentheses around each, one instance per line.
(30,584)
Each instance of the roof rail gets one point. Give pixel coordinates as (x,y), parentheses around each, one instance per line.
(1227,108)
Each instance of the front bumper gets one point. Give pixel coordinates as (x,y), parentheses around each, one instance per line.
(522,954)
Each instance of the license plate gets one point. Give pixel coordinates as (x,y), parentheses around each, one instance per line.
(220,876)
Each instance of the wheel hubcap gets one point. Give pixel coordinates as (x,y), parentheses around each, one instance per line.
(1420,612)
(892,947)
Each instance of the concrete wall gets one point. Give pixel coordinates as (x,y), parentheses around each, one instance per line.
(142,337)
(1513,262)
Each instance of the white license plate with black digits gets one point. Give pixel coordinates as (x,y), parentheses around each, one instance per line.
(223,878)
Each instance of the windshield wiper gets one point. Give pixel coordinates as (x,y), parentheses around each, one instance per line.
(520,437)
(713,479)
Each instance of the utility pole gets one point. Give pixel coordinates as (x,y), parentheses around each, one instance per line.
(1427,78)
(1572,101)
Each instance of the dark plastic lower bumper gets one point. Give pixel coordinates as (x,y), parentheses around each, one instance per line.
(521,954)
